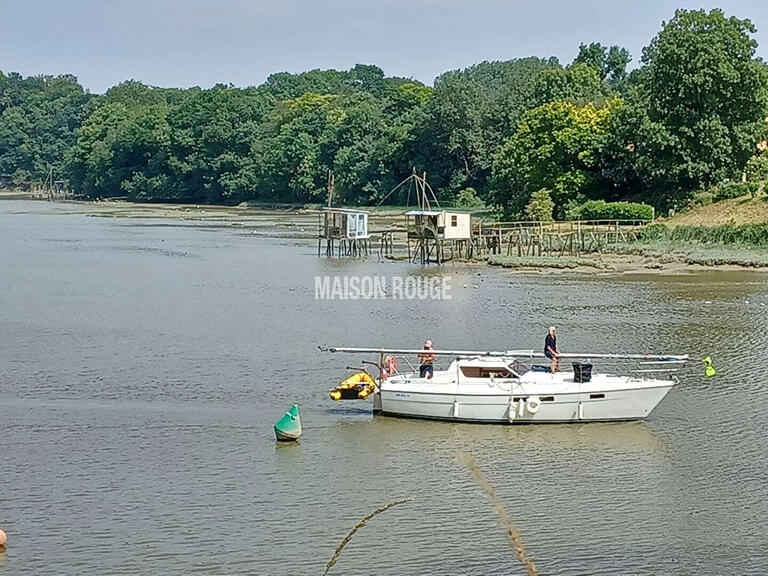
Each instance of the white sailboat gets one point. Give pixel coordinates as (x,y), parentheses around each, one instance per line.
(504,387)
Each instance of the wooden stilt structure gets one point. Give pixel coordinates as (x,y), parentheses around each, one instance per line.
(344,230)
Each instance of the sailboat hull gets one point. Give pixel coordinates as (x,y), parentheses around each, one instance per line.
(551,399)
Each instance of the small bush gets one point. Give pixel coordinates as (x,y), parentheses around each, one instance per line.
(728,190)
(602,210)
(540,206)
(757,173)
(468,199)
(653,232)
(755,188)
(701,199)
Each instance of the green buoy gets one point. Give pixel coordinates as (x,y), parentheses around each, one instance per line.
(288,428)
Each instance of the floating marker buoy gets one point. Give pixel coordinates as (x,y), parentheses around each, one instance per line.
(3,539)
(709,370)
(288,428)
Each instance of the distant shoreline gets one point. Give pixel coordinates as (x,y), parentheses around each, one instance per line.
(294,222)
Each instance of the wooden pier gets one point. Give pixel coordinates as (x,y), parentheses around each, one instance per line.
(558,238)
(423,239)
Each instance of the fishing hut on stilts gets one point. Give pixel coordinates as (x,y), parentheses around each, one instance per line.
(435,235)
(344,230)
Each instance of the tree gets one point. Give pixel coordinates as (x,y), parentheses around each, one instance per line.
(38,119)
(556,147)
(696,110)
(757,172)
(577,83)
(212,134)
(609,63)
(90,162)
(468,115)
(122,151)
(540,206)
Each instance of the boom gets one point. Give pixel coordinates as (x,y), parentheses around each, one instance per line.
(509,354)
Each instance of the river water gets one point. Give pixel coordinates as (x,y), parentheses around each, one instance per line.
(144,362)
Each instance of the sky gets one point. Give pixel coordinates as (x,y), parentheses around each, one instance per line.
(203,42)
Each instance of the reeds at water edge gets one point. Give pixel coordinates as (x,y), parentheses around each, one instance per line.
(513,536)
(357,527)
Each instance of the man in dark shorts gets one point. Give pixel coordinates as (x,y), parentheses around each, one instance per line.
(427,360)
(551,351)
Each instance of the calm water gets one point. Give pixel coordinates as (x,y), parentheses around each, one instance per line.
(143,364)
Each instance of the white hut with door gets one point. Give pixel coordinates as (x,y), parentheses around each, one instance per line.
(434,230)
(344,228)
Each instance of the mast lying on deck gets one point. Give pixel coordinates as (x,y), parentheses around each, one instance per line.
(510,353)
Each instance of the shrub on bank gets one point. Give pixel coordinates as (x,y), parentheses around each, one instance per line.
(728,190)
(602,210)
(540,206)
(467,199)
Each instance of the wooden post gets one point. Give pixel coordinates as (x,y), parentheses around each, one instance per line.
(541,236)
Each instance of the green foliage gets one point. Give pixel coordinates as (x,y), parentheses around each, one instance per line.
(690,117)
(728,190)
(609,63)
(747,235)
(540,206)
(121,151)
(695,112)
(757,172)
(468,199)
(578,83)
(701,199)
(602,210)
(556,147)
(38,119)
(467,117)
(655,231)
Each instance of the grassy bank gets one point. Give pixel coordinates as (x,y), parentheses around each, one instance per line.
(727,244)
(733,211)
(750,235)
(667,251)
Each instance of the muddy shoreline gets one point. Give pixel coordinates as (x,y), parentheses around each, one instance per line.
(302,223)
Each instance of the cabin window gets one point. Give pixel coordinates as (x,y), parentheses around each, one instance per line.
(454,220)
(596,396)
(486,372)
(548,399)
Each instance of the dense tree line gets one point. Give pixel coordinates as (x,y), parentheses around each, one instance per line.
(689,117)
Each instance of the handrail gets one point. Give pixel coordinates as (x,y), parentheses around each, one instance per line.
(510,354)
(557,224)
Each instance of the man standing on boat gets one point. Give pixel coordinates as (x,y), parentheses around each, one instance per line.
(551,351)
(427,361)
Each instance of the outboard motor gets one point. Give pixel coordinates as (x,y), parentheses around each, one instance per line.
(582,371)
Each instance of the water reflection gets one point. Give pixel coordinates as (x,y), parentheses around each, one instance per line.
(140,389)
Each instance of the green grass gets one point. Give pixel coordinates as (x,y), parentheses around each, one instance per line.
(564,262)
(728,234)
(703,254)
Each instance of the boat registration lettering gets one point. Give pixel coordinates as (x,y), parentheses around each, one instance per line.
(401,395)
